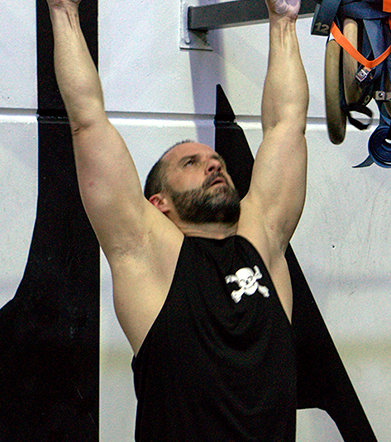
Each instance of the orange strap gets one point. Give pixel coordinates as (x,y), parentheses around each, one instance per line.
(345,43)
(387,5)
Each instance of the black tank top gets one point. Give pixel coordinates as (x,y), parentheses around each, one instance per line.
(218,363)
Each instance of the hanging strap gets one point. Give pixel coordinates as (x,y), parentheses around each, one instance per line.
(387,6)
(324,15)
(326,11)
(344,42)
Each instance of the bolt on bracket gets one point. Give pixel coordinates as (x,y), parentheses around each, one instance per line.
(191,40)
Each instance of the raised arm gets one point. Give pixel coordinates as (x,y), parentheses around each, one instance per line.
(108,181)
(277,189)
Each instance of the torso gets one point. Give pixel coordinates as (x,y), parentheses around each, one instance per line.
(142,282)
(218,334)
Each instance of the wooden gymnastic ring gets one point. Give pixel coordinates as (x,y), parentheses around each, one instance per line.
(350,65)
(336,119)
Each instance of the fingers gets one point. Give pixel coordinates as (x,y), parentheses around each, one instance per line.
(288,8)
(62,3)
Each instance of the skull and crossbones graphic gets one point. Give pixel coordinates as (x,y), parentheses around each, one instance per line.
(247,280)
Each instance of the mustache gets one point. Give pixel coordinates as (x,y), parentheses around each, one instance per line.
(208,182)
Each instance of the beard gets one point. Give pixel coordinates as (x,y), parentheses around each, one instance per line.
(202,205)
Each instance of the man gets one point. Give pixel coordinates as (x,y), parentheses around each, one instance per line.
(201,286)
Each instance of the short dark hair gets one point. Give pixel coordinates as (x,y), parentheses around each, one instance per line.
(156,178)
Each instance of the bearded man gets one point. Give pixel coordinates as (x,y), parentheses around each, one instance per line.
(200,282)
(198,205)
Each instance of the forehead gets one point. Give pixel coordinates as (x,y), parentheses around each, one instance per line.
(176,154)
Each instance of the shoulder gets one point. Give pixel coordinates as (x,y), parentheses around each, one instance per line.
(142,237)
(142,274)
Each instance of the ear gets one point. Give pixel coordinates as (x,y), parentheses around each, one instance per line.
(160,202)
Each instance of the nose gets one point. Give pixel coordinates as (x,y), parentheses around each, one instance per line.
(213,166)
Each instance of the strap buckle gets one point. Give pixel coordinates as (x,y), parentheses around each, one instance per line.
(382,96)
(363,75)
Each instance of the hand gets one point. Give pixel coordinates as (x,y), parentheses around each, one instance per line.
(63,3)
(287,8)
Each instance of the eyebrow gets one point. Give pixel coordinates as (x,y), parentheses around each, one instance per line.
(215,156)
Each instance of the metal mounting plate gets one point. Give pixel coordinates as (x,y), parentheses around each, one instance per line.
(191,40)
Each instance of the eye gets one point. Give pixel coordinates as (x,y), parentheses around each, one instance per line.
(189,162)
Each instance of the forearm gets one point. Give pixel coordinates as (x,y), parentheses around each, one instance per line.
(76,73)
(279,174)
(285,98)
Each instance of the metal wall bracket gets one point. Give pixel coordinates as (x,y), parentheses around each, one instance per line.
(197,20)
(235,13)
(196,40)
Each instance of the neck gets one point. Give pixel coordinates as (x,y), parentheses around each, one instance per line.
(211,230)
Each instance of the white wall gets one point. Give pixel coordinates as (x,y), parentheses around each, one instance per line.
(18,142)
(157,94)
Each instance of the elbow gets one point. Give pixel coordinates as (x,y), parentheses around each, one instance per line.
(84,118)
(289,129)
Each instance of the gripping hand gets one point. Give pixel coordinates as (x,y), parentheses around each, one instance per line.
(287,8)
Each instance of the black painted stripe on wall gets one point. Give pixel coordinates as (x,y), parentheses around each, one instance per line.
(49,332)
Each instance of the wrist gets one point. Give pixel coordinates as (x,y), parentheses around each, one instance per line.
(282,24)
(64,14)
(282,19)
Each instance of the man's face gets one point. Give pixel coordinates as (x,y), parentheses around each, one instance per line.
(199,185)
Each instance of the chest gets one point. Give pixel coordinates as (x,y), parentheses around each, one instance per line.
(222,290)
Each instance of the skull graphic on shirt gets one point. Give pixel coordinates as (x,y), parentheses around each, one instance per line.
(247,280)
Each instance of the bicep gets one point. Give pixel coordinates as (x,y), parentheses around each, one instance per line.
(277,190)
(109,185)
